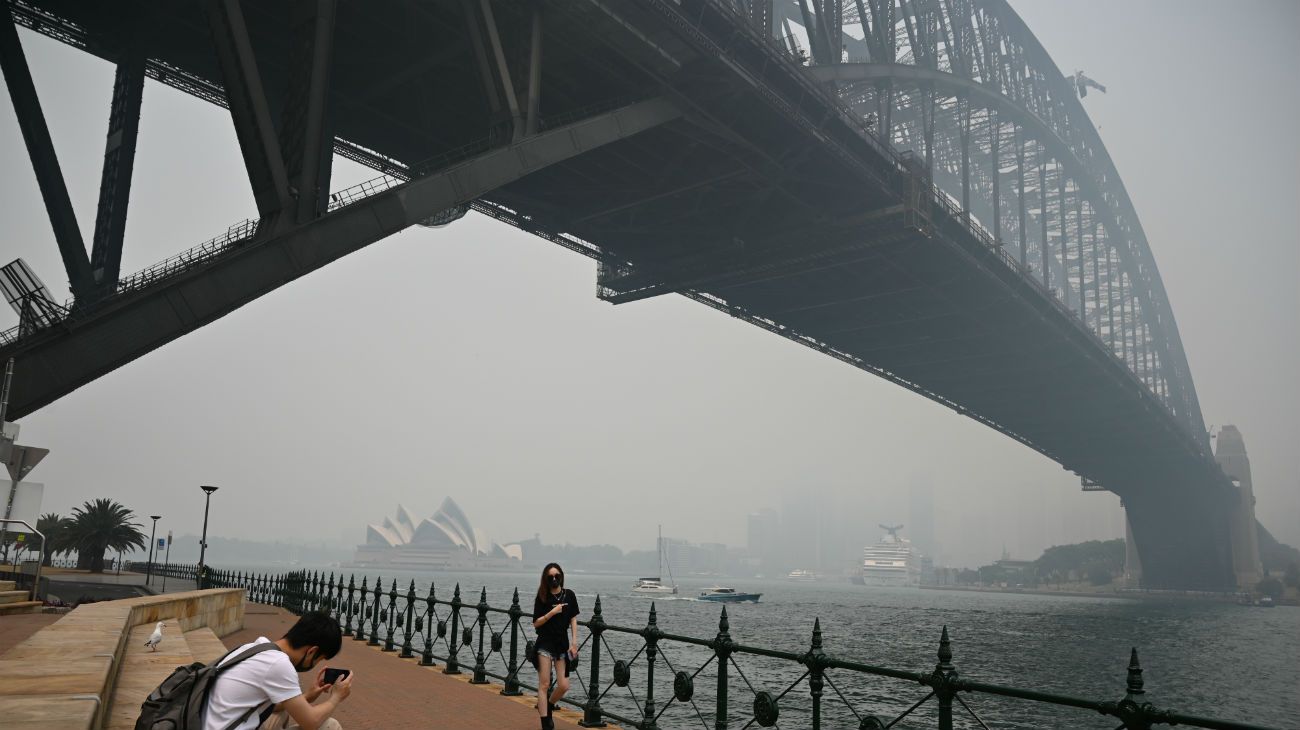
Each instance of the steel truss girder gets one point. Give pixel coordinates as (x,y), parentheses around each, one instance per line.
(249,109)
(63,358)
(967,89)
(305,135)
(119,165)
(45,163)
(988,44)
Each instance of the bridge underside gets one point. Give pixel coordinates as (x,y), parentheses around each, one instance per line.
(736,181)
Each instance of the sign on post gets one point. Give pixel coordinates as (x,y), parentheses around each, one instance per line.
(26,503)
(22,459)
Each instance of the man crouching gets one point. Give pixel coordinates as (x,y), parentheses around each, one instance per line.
(262,692)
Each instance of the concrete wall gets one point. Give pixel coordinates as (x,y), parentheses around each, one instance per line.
(63,675)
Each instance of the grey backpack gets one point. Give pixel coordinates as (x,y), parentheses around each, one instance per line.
(177,703)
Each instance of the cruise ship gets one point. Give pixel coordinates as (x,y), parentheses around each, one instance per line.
(891,562)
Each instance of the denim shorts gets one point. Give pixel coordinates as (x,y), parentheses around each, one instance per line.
(553,656)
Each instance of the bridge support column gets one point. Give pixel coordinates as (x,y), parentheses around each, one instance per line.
(1230,452)
(1182,537)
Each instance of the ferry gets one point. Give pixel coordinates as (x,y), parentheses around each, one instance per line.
(801,575)
(718,594)
(891,562)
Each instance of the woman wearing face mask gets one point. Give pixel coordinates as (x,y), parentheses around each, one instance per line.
(555,618)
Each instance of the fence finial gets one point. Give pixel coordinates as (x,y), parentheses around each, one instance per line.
(1134,676)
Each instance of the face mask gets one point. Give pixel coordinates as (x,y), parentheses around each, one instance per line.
(306,664)
(554,581)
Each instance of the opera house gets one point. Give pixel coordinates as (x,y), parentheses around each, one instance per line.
(447,540)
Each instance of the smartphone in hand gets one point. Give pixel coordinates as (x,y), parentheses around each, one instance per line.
(333,675)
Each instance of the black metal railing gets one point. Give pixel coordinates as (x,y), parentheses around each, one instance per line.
(183,571)
(647,678)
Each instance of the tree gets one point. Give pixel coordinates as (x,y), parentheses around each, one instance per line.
(1292,577)
(55,529)
(99,526)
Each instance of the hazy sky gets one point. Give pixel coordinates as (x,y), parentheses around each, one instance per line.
(475,361)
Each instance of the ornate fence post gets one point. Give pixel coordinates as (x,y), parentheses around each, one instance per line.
(816,673)
(591,711)
(512,669)
(944,680)
(453,644)
(393,616)
(374,612)
(722,649)
(408,628)
(361,612)
(335,594)
(651,634)
(349,604)
(480,660)
(1135,714)
(430,619)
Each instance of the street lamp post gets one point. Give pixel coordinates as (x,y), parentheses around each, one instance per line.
(168,561)
(148,574)
(203,541)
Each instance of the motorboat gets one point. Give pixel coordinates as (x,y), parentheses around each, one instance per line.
(718,594)
(655,586)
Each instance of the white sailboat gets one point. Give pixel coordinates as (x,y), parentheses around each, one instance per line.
(655,586)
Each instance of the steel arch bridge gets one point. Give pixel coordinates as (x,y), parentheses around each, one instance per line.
(923,197)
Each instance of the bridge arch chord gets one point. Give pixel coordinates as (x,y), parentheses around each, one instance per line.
(982,54)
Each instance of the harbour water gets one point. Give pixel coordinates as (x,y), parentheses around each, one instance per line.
(1210,659)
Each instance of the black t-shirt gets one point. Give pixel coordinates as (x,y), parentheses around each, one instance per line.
(554,634)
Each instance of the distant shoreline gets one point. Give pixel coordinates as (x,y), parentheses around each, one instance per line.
(1035,592)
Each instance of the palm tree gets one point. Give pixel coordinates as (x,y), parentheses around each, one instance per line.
(99,526)
(55,529)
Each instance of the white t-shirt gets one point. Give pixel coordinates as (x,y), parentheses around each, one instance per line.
(264,679)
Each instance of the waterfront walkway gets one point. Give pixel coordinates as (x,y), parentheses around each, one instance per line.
(399,694)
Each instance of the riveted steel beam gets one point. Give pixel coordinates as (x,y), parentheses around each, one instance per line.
(119,165)
(62,358)
(45,163)
(248,107)
(305,135)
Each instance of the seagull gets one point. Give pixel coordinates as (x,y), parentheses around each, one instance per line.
(155,638)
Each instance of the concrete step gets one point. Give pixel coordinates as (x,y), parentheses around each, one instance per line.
(15,607)
(142,670)
(204,645)
(7,585)
(13,596)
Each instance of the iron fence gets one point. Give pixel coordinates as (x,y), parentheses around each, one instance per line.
(649,678)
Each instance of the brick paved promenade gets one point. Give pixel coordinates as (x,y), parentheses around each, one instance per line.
(399,694)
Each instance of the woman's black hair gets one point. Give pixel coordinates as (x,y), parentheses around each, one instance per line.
(542,588)
(317,629)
